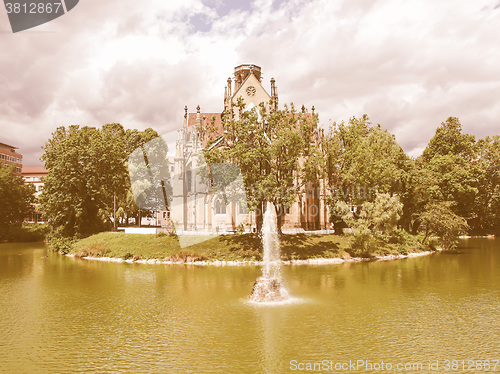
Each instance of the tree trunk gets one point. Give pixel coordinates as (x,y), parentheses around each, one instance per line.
(425,236)
(414,227)
(259,217)
(279,221)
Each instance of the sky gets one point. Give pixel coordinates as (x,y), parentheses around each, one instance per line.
(408,65)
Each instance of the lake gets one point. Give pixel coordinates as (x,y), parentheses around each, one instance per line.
(65,315)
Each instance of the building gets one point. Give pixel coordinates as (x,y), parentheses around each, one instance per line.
(34,175)
(194,205)
(9,156)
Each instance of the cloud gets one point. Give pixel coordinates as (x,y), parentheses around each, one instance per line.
(408,65)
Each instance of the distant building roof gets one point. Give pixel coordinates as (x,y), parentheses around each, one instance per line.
(34,170)
(7,145)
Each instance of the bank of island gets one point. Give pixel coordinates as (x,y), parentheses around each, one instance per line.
(235,249)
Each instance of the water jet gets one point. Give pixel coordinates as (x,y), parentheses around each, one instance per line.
(269,287)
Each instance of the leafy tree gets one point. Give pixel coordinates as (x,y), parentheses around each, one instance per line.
(371,160)
(362,160)
(417,189)
(439,219)
(449,140)
(374,222)
(16,200)
(150,175)
(487,204)
(267,152)
(448,170)
(134,139)
(87,170)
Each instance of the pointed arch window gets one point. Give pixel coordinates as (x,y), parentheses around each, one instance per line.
(220,206)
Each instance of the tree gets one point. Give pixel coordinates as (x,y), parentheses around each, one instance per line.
(448,170)
(375,221)
(267,151)
(150,176)
(487,204)
(417,190)
(439,219)
(449,140)
(16,200)
(87,170)
(361,161)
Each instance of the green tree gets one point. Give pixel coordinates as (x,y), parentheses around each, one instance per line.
(375,221)
(134,139)
(439,219)
(150,176)
(16,200)
(87,170)
(487,209)
(267,151)
(361,161)
(417,190)
(449,140)
(448,170)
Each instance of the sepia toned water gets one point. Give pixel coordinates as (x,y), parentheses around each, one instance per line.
(64,315)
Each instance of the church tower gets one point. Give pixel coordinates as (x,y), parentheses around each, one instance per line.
(248,85)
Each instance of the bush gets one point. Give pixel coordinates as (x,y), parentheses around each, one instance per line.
(432,243)
(25,232)
(60,244)
(364,243)
(440,220)
(405,241)
(374,225)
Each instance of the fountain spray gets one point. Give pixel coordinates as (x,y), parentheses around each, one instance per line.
(269,288)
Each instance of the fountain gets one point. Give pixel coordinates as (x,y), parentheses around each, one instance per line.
(269,288)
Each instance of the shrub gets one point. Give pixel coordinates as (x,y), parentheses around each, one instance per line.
(60,244)
(25,232)
(374,225)
(439,219)
(364,243)
(240,229)
(81,254)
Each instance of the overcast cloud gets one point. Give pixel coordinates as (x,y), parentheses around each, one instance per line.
(407,64)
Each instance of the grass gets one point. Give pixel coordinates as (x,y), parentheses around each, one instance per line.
(137,246)
(224,247)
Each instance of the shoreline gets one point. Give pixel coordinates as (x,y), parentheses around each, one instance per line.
(311,261)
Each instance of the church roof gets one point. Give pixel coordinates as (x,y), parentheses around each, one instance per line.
(206,120)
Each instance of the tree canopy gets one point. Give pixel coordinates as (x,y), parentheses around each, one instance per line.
(87,168)
(16,199)
(368,160)
(268,152)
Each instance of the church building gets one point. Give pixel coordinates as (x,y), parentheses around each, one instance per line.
(194,207)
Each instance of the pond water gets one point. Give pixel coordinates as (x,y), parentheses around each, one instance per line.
(65,315)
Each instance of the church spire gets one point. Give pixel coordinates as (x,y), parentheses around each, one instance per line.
(274,94)
(198,117)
